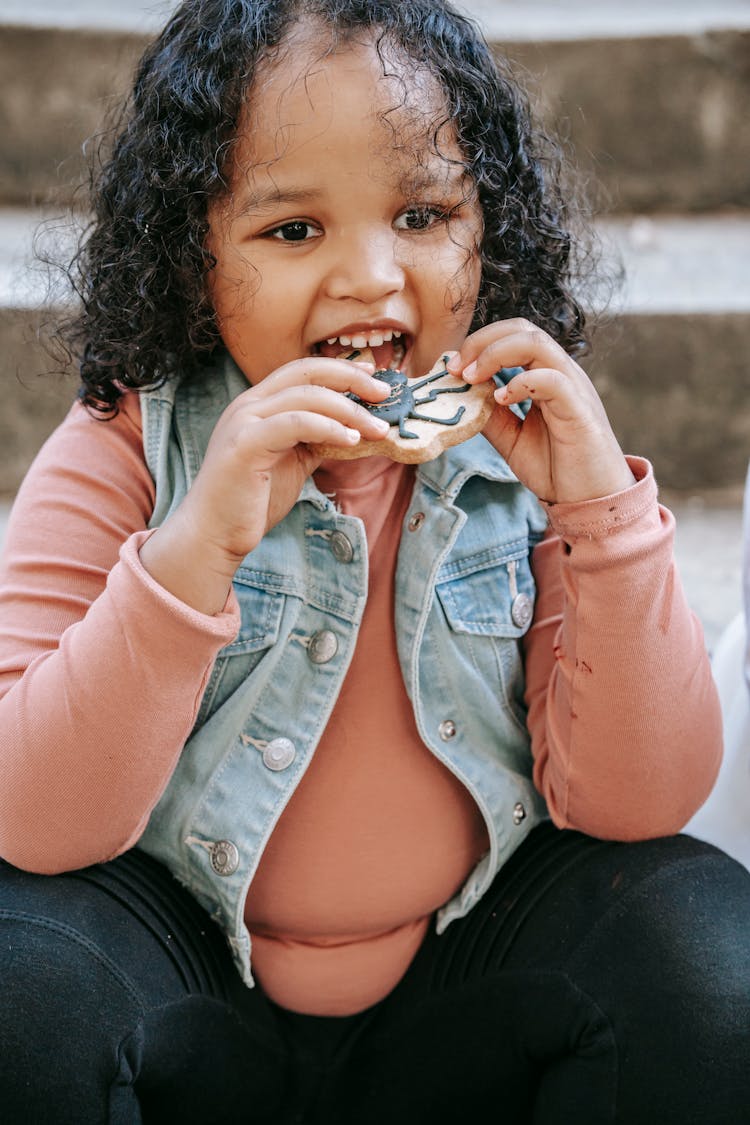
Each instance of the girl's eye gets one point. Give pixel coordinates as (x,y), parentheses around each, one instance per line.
(296,231)
(420,218)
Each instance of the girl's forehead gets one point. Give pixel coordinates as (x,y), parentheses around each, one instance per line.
(308,87)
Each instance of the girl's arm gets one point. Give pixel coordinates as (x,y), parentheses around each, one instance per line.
(108,633)
(624,717)
(101,669)
(623,714)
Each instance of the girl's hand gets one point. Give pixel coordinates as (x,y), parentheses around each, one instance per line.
(255,465)
(564,450)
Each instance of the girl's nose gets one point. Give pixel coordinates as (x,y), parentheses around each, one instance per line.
(364,268)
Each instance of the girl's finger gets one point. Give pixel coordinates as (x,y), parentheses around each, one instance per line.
(283,431)
(569,400)
(509,344)
(337,374)
(477,341)
(313,399)
(541,384)
(569,411)
(497,330)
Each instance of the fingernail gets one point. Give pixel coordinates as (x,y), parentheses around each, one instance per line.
(470,371)
(381,425)
(454,363)
(352,435)
(365,364)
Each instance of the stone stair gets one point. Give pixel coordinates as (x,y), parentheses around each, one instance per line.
(651,99)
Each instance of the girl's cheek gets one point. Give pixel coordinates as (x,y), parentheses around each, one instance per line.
(463,293)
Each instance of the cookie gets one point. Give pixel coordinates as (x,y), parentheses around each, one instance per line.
(426,414)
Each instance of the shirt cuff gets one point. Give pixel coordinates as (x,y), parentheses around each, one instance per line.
(599,518)
(223,626)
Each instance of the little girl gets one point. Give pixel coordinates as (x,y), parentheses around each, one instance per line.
(322,780)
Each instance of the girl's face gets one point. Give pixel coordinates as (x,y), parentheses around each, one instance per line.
(346,225)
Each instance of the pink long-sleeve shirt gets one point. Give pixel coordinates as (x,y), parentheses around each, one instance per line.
(102,673)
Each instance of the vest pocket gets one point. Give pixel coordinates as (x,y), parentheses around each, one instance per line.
(261,609)
(261,612)
(488,608)
(491,595)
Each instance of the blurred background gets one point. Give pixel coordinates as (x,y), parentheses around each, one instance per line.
(652,102)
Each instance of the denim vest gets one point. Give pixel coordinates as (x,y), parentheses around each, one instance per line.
(464,597)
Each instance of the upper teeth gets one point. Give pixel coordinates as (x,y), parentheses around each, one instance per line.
(365,340)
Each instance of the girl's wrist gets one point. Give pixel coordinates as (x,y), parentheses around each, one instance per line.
(190,567)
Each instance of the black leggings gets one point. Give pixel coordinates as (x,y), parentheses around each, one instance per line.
(594,983)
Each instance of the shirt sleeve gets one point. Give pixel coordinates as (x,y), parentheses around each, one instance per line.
(624,717)
(101,669)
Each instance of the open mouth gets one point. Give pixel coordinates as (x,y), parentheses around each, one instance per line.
(389,348)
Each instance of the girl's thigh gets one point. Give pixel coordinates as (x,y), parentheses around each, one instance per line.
(120,1004)
(595,982)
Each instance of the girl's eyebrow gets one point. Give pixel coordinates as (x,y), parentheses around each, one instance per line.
(426,180)
(254,200)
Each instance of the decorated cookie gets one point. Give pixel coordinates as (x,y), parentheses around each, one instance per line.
(426,414)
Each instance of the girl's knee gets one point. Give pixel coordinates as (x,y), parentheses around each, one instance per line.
(681,926)
(64,1009)
(687,889)
(54,976)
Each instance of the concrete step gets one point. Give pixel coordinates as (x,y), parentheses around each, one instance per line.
(708,548)
(670,362)
(652,97)
(139,16)
(35,395)
(670,359)
(503,20)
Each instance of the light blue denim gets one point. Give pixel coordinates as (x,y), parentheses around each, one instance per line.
(464,590)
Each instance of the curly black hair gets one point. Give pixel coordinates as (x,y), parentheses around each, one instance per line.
(140,273)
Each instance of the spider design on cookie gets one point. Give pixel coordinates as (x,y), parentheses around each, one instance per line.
(402,402)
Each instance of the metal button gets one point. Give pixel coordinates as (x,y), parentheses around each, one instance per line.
(341,547)
(225,859)
(519,813)
(416,521)
(522,610)
(323,646)
(447,730)
(279,753)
